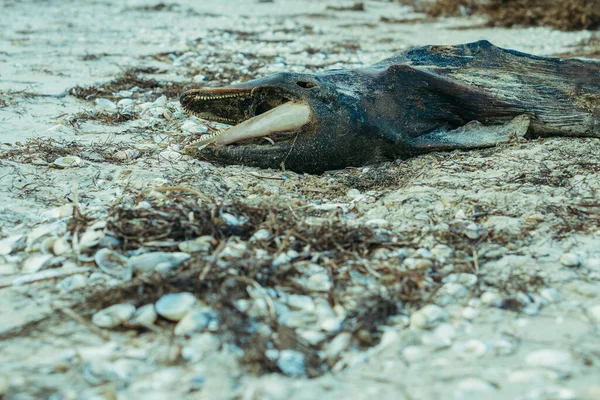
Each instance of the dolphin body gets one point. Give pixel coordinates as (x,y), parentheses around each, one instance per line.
(429,98)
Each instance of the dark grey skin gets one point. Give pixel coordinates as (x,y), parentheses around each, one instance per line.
(429,98)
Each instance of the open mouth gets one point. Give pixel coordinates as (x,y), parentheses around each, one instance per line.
(268,113)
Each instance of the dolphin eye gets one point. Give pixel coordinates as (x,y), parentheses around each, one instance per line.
(306,85)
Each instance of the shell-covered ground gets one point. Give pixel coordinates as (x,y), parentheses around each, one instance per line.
(449,275)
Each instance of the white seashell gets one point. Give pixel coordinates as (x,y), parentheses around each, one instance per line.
(60,246)
(193,321)
(113,263)
(540,375)
(570,260)
(472,388)
(440,337)
(37,262)
(105,105)
(126,155)
(414,354)
(451,292)
(462,278)
(592,263)
(259,235)
(469,313)
(147,147)
(97,353)
(469,349)
(417,264)
(285,258)
(144,316)
(594,313)
(490,298)
(312,337)
(377,223)
(68,162)
(558,360)
(333,324)
(442,251)
(460,214)
(161,101)
(57,228)
(156,261)
(61,212)
(335,347)
(10,244)
(202,244)
(200,346)
(174,306)
(193,127)
(113,316)
(92,236)
(125,103)
(234,251)
(169,156)
(8,269)
(428,317)
(291,363)
(72,282)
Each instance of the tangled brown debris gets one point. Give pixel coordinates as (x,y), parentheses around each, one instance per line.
(563,15)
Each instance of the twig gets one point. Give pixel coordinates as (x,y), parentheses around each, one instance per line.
(213,259)
(475,260)
(173,189)
(79,319)
(42,276)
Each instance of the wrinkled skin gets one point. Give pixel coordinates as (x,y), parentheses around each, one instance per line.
(428,98)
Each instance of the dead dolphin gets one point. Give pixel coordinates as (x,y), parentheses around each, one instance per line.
(428,98)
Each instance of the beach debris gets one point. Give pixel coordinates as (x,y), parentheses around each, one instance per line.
(68,162)
(113,263)
(174,306)
(157,261)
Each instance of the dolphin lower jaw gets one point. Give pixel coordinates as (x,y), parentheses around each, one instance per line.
(269,113)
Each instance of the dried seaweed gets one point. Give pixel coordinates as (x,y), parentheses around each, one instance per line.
(126,81)
(563,15)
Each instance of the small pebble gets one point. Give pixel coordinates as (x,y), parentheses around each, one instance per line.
(174,306)
(570,260)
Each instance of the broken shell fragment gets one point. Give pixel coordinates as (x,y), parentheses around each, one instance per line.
(113,316)
(68,162)
(174,306)
(37,262)
(193,321)
(113,263)
(157,261)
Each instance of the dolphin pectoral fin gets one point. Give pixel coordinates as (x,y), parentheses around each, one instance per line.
(473,135)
